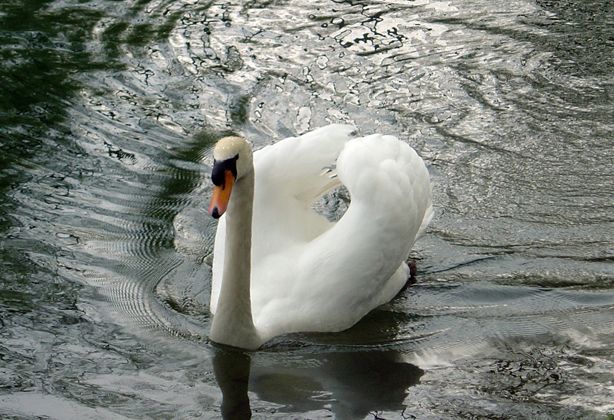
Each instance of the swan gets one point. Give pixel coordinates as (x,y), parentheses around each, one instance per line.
(278,266)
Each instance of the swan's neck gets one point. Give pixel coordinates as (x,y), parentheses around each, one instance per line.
(232,323)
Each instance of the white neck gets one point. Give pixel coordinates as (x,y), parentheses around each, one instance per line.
(232,323)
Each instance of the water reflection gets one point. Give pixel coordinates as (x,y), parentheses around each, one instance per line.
(509,102)
(232,367)
(351,384)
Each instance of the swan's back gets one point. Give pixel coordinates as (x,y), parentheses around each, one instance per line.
(312,275)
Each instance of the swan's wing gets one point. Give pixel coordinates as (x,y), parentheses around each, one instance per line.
(290,176)
(301,167)
(358,264)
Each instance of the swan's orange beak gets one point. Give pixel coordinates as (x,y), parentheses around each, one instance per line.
(221,195)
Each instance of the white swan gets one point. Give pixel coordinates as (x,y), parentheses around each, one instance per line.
(286,268)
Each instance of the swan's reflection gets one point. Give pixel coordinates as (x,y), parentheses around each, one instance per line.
(231,368)
(351,384)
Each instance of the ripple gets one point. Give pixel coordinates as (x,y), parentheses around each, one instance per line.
(105,149)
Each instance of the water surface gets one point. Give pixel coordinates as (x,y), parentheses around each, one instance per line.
(108,108)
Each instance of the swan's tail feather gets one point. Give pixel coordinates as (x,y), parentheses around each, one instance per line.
(428,216)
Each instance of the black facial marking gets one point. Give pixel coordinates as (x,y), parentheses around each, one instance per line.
(220,167)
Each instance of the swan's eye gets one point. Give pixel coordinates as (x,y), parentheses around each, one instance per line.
(218,173)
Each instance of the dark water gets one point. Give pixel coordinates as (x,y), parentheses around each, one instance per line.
(107,108)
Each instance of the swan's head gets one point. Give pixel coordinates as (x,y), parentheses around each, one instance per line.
(232,160)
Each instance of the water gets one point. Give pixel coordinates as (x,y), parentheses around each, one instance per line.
(107,108)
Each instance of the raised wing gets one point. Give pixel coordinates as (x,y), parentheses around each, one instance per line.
(358,264)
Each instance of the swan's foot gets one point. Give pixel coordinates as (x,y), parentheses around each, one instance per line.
(412,274)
